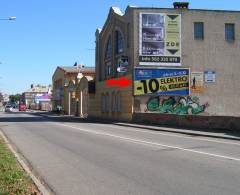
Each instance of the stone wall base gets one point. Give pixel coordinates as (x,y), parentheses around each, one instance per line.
(189,121)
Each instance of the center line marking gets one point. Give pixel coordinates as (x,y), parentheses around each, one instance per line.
(151,143)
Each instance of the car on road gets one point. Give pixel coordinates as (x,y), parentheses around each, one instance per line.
(22,107)
(8,108)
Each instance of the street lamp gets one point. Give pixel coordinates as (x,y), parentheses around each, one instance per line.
(9,18)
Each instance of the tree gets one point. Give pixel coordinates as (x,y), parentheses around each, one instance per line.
(1,97)
(15,98)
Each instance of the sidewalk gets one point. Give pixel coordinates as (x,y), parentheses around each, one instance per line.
(194,132)
(221,134)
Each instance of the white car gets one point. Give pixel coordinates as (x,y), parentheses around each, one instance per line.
(8,108)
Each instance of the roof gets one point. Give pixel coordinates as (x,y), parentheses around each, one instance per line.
(75,69)
(188,9)
(117,11)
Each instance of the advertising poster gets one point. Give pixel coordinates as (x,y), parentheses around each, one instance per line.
(197,82)
(159,39)
(149,81)
(210,76)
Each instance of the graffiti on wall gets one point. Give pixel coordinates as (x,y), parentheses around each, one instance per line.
(176,105)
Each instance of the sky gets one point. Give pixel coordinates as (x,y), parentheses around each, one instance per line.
(51,33)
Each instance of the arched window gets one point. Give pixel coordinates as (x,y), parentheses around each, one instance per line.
(108,51)
(118,102)
(114,102)
(107,102)
(103,103)
(119,42)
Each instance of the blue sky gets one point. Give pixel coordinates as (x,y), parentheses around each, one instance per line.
(51,33)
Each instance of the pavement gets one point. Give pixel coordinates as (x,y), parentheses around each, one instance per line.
(76,156)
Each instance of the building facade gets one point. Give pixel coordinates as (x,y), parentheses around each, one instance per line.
(70,89)
(38,97)
(183,63)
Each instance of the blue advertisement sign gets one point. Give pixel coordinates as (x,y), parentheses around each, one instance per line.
(170,81)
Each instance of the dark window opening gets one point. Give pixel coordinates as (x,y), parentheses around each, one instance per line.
(198,30)
(119,42)
(229,32)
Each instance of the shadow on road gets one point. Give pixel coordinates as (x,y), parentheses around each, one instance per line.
(44,117)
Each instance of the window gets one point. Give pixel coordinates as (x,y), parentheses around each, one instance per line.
(198,30)
(107,99)
(108,52)
(108,69)
(128,35)
(113,102)
(118,102)
(119,42)
(103,103)
(229,32)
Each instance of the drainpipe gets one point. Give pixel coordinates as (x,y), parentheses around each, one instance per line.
(69,103)
(81,110)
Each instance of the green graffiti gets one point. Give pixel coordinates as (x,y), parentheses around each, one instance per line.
(176,105)
(167,106)
(153,104)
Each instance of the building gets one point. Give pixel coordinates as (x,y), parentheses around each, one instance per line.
(5,98)
(38,97)
(184,64)
(70,89)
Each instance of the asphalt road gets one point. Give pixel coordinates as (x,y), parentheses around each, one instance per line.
(82,157)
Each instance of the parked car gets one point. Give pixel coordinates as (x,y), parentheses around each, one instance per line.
(8,108)
(22,107)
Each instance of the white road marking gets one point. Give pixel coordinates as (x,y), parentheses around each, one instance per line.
(150,143)
(173,135)
(168,134)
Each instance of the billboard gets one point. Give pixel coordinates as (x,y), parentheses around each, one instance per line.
(159,39)
(153,81)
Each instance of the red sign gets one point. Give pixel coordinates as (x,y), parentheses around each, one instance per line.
(121,82)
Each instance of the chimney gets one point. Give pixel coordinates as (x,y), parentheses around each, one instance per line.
(180,5)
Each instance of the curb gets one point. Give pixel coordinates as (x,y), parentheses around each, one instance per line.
(165,129)
(42,189)
(181,132)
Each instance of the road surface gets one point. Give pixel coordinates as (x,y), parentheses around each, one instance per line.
(74,156)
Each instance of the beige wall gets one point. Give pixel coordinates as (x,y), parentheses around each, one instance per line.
(126,102)
(60,75)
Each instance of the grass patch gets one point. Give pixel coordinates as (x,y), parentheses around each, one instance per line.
(13,179)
